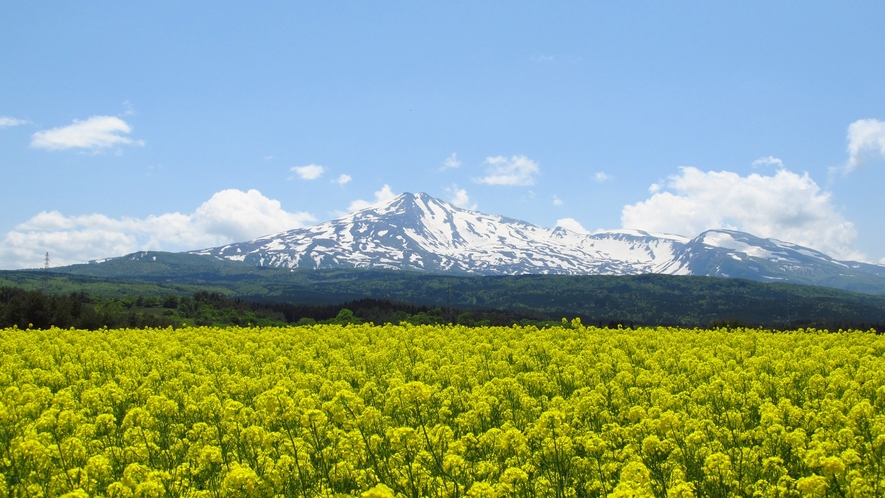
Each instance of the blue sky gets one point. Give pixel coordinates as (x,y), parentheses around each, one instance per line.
(182,125)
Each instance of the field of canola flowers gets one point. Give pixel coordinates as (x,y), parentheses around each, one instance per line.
(441,411)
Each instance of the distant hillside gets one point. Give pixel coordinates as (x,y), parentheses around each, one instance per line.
(417,232)
(640,299)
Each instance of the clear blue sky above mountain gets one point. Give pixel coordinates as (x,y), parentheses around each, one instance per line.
(173,126)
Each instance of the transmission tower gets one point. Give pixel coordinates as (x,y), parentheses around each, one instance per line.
(46,273)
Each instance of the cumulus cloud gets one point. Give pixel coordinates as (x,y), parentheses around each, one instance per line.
(460,198)
(343,179)
(601,177)
(517,170)
(557,201)
(236,215)
(768,161)
(228,216)
(309,172)
(382,195)
(571,224)
(785,206)
(95,133)
(6,122)
(451,162)
(866,140)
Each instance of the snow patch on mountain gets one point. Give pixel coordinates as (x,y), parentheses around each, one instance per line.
(422,233)
(727,240)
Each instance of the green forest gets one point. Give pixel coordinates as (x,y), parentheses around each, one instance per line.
(35,309)
(243,294)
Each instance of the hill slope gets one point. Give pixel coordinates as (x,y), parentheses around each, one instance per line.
(642,299)
(421,233)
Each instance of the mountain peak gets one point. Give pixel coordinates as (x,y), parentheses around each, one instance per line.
(405,201)
(410,199)
(415,231)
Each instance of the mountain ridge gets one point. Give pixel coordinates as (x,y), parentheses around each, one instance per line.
(421,233)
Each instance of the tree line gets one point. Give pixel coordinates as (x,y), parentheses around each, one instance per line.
(35,309)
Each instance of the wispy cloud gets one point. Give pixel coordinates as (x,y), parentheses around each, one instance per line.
(380,196)
(518,170)
(95,133)
(571,224)
(551,58)
(557,201)
(130,109)
(451,162)
(6,122)
(309,172)
(343,179)
(228,216)
(601,176)
(768,161)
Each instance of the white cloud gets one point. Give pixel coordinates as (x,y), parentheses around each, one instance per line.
(229,216)
(600,177)
(571,224)
(768,161)
(557,201)
(6,122)
(94,133)
(517,170)
(866,139)
(309,172)
(460,198)
(654,187)
(236,215)
(451,162)
(382,195)
(784,206)
(342,179)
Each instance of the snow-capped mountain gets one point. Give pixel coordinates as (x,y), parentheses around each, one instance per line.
(728,253)
(419,232)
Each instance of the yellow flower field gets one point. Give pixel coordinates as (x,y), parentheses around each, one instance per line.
(414,411)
